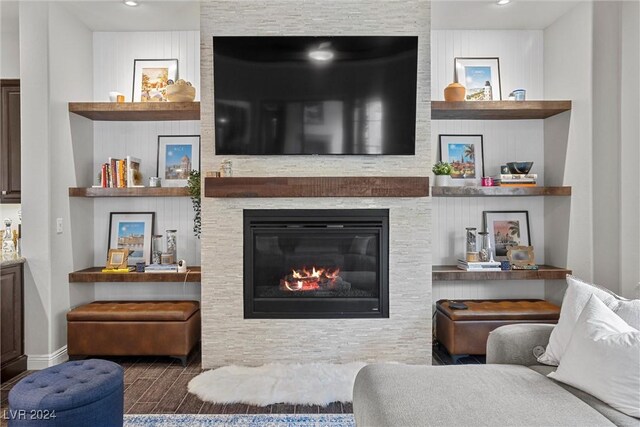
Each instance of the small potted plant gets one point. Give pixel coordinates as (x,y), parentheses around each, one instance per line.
(193,184)
(442,171)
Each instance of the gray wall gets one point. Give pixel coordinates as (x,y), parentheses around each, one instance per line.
(630,150)
(591,57)
(606,143)
(568,145)
(406,335)
(616,94)
(9,41)
(56,58)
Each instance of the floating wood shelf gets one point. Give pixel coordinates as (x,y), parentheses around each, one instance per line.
(469,191)
(136,111)
(451,272)
(317,187)
(129,192)
(95,275)
(497,110)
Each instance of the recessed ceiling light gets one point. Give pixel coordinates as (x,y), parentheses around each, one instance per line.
(131,3)
(503,2)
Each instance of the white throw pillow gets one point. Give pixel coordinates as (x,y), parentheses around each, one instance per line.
(576,297)
(603,358)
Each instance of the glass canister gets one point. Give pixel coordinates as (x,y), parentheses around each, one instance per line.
(8,247)
(483,254)
(226,168)
(486,250)
(172,244)
(156,249)
(471,239)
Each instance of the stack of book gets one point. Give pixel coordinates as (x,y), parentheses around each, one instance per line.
(121,173)
(478,266)
(161,268)
(516,179)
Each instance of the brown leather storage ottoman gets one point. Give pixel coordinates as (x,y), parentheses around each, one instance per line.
(465,332)
(134,328)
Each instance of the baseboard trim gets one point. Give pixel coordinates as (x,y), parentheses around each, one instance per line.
(35,362)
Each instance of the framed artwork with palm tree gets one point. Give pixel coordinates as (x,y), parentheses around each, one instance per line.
(466,156)
(506,229)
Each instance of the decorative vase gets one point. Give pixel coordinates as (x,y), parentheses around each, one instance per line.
(454,92)
(442,180)
(181,93)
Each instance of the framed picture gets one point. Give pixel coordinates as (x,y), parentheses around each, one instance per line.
(506,229)
(313,113)
(466,156)
(132,231)
(521,256)
(178,155)
(150,77)
(475,73)
(117,258)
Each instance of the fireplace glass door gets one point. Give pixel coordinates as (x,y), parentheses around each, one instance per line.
(302,263)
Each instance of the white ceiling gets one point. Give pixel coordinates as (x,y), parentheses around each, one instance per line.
(156,15)
(487,15)
(149,15)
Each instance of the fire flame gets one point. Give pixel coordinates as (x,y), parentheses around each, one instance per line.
(309,280)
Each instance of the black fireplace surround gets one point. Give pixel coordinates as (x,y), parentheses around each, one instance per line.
(303,263)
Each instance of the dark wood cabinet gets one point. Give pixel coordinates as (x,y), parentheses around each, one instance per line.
(12,358)
(10,141)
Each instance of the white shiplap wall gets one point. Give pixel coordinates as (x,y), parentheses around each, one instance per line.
(114,54)
(521,66)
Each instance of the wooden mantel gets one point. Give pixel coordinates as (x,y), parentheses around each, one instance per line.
(405,186)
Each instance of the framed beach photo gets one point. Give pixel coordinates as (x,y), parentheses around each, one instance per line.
(178,155)
(506,229)
(150,77)
(475,74)
(466,156)
(132,231)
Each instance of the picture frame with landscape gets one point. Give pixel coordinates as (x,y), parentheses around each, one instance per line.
(132,231)
(507,229)
(178,155)
(150,79)
(465,154)
(473,73)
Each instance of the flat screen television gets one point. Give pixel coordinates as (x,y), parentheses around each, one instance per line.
(315,95)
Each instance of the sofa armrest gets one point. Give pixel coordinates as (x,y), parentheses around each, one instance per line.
(518,344)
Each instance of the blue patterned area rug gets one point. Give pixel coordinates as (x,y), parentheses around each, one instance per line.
(260,420)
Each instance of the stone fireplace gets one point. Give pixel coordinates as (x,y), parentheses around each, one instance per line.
(316,263)
(404,334)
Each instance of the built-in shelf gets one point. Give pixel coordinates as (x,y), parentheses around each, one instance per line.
(95,275)
(129,192)
(406,186)
(136,111)
(497,110)
(469,191)
(544,272)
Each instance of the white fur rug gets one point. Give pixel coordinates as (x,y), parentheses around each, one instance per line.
(298,384)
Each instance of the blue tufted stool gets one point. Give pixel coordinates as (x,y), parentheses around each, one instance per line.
(83,393)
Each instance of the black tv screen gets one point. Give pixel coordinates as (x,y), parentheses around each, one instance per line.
(315,95)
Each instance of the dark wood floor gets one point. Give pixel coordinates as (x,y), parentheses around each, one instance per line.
(159,386)
(440,356)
